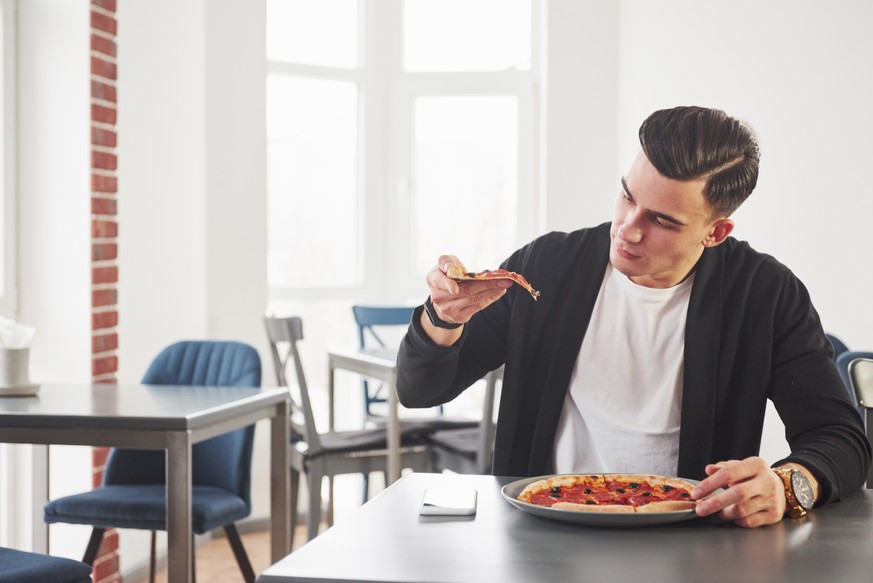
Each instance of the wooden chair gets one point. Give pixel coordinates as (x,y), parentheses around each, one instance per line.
(319,455)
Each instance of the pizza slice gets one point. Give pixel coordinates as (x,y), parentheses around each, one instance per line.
(460,273)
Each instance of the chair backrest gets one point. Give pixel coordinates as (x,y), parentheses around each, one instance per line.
(861,375)
(223,461)
(844,362)
(284,333)
(488,428)
(368,318)
(839,346)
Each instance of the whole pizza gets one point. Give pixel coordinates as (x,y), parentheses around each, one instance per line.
(611,493)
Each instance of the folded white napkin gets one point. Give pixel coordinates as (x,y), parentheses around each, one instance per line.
(15,335)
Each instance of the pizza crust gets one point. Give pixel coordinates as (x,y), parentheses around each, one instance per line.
(605,508)
(667,506)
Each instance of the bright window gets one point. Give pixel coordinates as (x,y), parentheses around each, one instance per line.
(397,131)
(465,35)
(465,158)
(312,187)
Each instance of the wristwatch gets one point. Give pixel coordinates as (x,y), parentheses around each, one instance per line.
(435,319)
(798,491)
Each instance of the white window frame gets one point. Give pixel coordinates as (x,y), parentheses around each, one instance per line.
(385,116)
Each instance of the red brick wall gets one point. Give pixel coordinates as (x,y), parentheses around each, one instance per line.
(104,237)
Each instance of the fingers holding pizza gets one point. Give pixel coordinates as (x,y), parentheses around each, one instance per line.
(456,295)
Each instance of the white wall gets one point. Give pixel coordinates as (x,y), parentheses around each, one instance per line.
(54,228)
(192,189)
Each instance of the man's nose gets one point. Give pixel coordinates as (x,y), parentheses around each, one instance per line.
(631,230)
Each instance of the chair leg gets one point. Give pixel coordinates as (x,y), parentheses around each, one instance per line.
(153,557)
(295,492)
(93,546)
(329,517)
(240,553)
(314,502)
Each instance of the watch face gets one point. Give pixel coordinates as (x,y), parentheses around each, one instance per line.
(802,489)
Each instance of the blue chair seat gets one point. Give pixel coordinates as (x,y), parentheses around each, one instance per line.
(23,567)
(144,506)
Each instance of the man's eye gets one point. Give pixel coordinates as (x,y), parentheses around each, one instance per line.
(662,223)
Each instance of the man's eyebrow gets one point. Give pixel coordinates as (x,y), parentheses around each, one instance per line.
(663,216)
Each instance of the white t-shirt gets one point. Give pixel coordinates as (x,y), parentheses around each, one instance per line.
(623,408)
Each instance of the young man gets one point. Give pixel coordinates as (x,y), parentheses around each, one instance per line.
(656,342)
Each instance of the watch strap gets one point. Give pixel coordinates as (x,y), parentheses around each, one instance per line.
(435,319)
(793,509)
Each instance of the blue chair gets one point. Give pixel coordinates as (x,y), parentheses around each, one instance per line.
(133,494)
(369,320)
(24,567)
(839,346)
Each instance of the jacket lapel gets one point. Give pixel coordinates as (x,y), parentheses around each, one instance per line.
(700,378)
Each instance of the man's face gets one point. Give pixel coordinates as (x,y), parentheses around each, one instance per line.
(661,226)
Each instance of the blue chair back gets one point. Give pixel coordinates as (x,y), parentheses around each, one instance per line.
(839,346)
(223,461)
(369,317)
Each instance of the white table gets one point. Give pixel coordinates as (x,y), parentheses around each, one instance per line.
(172,418)
(380,364)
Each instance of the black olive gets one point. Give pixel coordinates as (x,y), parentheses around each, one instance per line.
(633,485)
(588,491)
(685,494)
(556,492)
(647,493)
(620,490)
(590,502)
(667,488)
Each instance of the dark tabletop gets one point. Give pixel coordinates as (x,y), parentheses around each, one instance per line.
(387,541)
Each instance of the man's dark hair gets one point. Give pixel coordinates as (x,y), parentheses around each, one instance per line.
(690,143)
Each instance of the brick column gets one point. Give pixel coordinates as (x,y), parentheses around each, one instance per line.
(104,239)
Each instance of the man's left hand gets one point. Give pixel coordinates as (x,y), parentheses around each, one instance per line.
(753,495)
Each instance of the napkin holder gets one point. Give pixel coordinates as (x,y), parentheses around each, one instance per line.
(15,373)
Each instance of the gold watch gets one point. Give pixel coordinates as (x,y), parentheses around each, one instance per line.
(798,491)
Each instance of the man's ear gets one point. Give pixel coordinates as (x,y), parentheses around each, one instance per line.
(720,230)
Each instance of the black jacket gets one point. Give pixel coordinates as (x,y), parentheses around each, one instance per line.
(752,334)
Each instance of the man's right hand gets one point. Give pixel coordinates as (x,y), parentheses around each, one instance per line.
(456,302)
